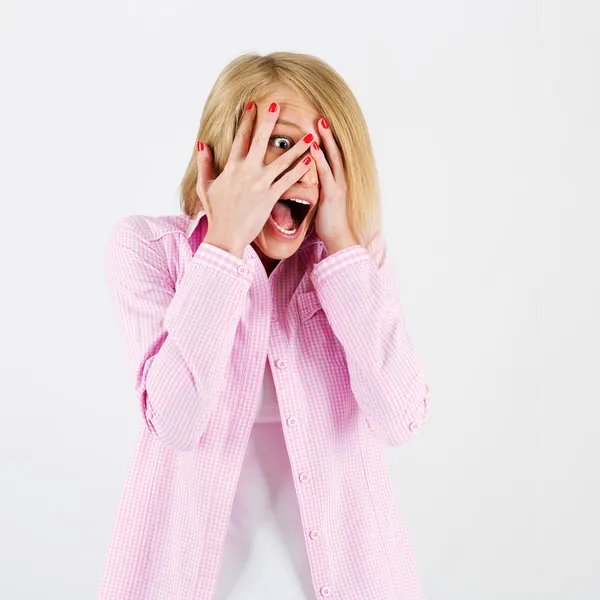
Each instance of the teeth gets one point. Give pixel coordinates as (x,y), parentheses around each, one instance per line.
(297,200)
(284,230)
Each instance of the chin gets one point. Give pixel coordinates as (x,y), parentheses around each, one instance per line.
(279,249)
(276,248)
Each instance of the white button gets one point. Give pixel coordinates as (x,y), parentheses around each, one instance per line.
(292,421)
(273,318)
(281,363)
(325,591)
(242,269)
(314,534)
(304,477)
(412,426)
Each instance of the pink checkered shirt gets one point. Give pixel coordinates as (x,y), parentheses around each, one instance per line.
(198,324)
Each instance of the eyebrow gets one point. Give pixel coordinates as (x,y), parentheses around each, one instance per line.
(284,122)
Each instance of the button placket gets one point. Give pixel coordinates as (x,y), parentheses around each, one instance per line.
(304,476)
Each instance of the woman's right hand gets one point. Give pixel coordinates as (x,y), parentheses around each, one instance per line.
(239,201)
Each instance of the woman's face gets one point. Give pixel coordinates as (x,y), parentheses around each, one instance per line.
(296,119)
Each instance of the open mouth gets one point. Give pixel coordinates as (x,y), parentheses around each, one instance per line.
(297,210)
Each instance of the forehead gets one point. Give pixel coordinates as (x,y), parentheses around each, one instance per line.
(292,104)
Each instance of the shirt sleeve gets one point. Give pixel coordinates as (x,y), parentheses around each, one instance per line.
(179,341)
(357,290)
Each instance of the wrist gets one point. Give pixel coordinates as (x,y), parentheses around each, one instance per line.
(340,244)
(219,243)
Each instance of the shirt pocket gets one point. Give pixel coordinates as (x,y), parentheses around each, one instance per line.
(315,334)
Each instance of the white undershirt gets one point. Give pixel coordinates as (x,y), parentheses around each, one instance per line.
(265,554)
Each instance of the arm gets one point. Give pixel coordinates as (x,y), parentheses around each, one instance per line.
(357,290)
(178,342)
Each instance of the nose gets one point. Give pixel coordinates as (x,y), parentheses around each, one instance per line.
(311,176)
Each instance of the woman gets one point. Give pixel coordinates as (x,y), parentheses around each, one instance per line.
(270,356)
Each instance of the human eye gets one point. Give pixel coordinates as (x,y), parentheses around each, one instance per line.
(285,139)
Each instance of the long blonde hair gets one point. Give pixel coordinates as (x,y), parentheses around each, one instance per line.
(253,77)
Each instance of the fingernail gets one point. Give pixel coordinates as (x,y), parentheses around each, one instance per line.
(307,160)
(315,145)
(307,138)
(249,105)
(324,123)
(273,107)
(200,146)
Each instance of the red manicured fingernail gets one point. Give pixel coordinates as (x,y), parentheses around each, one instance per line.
(200,146)
(307,160)
(307,138)
(324,123)
(315,145)
(249,105)
(273,107)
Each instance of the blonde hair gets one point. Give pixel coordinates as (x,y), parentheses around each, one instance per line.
(253,77)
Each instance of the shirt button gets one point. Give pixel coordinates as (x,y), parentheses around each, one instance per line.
(304,477)
(314,534)
(281,363)
(412,426)
(325,591)
(273,318)
(242,269)
(292,421)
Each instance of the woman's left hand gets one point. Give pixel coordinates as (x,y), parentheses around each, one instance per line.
(331,221)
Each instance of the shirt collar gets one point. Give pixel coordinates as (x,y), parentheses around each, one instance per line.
(194,223)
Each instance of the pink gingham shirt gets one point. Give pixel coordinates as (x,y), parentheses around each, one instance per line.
(198,324)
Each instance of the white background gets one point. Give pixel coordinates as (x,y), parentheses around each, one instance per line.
(484,118)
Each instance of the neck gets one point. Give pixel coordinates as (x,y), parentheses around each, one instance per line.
(268,263)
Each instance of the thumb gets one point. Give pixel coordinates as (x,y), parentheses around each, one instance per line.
(204,162)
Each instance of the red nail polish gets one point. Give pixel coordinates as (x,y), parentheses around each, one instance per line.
(315,145)
(307,138)
(307,160)
(200,146)
(324,123)
(249,105)
(273,107)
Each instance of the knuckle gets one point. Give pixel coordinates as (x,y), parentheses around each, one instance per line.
(258,138)
(263,181)
(255,187)
(285,161)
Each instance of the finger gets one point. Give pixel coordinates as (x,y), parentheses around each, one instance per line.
(288,158)
(286,181)
(258,147)
(334,155)
(204,162)
(323,169)
(241,142)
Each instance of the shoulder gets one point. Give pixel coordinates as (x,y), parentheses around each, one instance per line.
(141,242)
(149,228)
